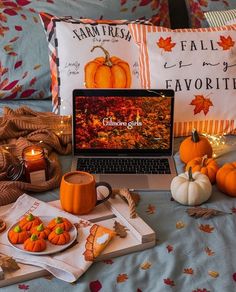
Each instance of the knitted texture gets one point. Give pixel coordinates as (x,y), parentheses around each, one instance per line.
(21,128)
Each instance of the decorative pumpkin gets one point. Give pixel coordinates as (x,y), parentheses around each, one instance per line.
(41,231)
(108,72)
(207,166)
(191,188)
(29,221)
(59,236)
(194,146)
(226,179)
(17,235)
(60,222)
(35,244)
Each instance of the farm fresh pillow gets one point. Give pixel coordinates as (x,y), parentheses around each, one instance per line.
(89,54)
(200,65)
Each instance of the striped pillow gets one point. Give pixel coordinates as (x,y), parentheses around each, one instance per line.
(219,18)
(200,65)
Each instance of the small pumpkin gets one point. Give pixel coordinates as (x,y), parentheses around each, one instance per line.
(16,235)
(29,221)
(108,72)
(207,166)
(59,236)
(191,188)
(35,244)
(226,179)
(60,222)
(40,231)
(194,146)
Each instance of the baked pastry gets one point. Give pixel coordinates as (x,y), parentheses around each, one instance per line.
(29,221)
(35,244)
(60,222)
(17,235)
(40,231)
(97,240)
(59,236)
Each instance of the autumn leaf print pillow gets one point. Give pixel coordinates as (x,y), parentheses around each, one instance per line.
(200,66)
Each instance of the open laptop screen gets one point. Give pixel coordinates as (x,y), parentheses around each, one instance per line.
(122,121)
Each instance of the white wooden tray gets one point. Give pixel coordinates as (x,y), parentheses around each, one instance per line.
(139,237)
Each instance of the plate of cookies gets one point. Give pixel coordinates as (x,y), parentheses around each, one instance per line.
(41,235)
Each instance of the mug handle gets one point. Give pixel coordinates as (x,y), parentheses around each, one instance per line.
(102,183)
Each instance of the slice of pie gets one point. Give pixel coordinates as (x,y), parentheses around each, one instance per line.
(97,240)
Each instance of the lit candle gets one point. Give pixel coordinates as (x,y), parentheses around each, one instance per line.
(35,163)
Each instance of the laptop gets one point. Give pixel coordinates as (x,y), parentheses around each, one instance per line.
(125,137)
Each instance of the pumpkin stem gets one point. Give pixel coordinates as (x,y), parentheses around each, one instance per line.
(190,174)
(17,229)
(40,227)
(107,56)
(195,136)
(34,237)
(204,158)
(30,217)
(58,220)
(59,230)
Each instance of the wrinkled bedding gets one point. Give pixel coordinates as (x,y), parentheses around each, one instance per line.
(190,255)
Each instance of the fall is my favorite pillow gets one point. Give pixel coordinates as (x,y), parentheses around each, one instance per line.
(200,65)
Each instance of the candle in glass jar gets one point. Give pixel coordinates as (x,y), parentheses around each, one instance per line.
(35,164)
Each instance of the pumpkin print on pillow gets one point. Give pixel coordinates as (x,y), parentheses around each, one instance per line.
(200,66)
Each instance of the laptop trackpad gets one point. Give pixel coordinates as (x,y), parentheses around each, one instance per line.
(130,181)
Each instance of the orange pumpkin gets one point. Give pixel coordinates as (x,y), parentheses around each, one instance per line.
(226,179)
(194,146)
(35,244)
(41,231)
(29,221)
(59,236)
(107,72)
(17,235)
(207,166)
(60,222)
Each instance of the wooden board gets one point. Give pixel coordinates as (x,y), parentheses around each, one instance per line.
(139,237)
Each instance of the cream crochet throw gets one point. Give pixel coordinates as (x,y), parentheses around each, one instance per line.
(23,127)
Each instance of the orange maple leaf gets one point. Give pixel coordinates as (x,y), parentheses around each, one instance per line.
(226,43)
(188,271)
(121,278)
(201,104)
(151,209)
(206,228)
(165,44)
(209,252)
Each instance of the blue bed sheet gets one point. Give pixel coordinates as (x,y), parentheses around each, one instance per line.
(190,255)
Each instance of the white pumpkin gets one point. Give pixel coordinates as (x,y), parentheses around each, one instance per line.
(191,188)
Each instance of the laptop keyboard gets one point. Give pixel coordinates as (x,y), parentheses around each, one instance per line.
(124,165)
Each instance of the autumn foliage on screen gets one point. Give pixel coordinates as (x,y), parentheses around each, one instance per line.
(122,122)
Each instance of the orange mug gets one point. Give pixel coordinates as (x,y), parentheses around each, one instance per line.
(78,192)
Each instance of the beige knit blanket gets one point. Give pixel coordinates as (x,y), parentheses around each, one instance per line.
(23,127)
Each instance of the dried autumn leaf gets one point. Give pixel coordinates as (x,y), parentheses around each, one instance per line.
(205,213)
(165,44)
(201,104)
(120,229)
(206,228)
(213,274)
(169,248)
(122,278)
(188,271)
(180,225)
(151,209)
(169,282)
(226,43)
(145,266)
(209,252)
(8,263)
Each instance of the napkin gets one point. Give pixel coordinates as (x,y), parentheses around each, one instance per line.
(67,265)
